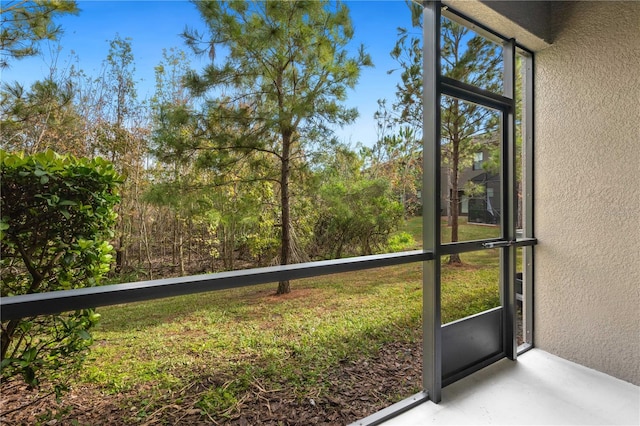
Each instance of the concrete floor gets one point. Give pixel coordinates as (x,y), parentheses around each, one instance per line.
(539,388)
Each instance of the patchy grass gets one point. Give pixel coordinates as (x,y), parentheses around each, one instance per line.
(471,288)
(223,344)
(239,336)
(467,232)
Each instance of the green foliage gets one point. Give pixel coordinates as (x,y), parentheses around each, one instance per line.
(355,214)
(57,215)
(47,349)
(285,78)
(397,157)
(24,23)
(400,242)
(356,217)
(44,114)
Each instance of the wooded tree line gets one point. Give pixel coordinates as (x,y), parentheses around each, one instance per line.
(235,165)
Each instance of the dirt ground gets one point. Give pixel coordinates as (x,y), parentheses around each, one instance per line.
(357,389)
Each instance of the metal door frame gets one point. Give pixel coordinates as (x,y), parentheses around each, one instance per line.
(494,330)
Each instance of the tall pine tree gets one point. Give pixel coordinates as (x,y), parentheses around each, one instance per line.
(285,74)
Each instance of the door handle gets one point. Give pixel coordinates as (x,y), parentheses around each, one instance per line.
(496,244)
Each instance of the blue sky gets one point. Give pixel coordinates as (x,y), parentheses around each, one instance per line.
(154,25)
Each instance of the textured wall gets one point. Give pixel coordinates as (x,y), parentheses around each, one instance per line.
(587,206)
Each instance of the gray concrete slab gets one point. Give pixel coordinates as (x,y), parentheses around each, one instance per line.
(537,389)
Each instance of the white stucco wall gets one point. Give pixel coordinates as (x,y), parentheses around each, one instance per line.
(587,188)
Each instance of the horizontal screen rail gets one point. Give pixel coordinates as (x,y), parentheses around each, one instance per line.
(30,305)
(467,246)
(473,94)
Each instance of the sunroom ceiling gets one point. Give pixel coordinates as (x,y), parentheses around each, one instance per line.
(529,22)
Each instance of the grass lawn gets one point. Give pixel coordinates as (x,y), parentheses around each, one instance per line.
(468,232)
(472,288)
(228,342)
(246,335)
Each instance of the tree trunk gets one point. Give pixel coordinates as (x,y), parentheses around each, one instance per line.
(144,236)
(174,245)
(181,250)
(228,246)
(189,248)
(231,238)
(7,336)
(454,203)
(121,254)
(284,287)
(37,278)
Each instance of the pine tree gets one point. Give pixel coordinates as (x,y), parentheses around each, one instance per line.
(284,77)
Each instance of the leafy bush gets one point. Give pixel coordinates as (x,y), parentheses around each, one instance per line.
(56,217)
(356,217)
(400,242)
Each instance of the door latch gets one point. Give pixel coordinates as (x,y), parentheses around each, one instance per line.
(496,244)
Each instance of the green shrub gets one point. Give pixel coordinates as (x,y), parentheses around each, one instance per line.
(56,219)
(356,217)
(400,242)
